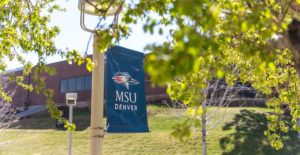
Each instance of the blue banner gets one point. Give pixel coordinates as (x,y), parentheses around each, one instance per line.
(125,91)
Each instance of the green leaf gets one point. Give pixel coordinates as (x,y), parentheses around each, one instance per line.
(220,74)
(272,66)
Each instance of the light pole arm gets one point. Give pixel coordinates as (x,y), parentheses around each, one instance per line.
(82,21)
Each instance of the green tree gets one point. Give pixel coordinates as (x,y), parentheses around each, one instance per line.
(207,100)
(254,30)
(278,83)
(25,30)
(199,29)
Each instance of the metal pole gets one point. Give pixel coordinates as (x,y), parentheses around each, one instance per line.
(70,132)
(97,101)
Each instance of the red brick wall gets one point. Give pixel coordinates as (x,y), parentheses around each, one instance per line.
(64,71)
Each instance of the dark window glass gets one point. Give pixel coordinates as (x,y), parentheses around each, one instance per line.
(80,83)
(72,85)
(63,86)
(88,82)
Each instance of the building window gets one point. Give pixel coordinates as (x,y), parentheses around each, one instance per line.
(63,86)
(72,85)
(80,83)
(88,82)
(76,84)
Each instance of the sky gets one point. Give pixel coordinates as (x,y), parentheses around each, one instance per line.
(73,37)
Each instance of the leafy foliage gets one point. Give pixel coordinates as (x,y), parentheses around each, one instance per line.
(208,38)
(278,80)
(235,34)
(24,29)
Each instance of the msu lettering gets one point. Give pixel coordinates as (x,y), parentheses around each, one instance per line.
(125,97)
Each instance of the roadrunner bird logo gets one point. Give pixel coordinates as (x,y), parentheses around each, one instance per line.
(125,79)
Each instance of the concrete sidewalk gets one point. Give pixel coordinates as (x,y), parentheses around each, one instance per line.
(31,111)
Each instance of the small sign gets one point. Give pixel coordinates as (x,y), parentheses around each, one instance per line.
(125,91)
(71,96)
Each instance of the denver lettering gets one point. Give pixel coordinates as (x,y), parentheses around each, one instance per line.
(125,107)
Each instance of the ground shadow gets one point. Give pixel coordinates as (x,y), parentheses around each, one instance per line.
(248,138)
(81,119)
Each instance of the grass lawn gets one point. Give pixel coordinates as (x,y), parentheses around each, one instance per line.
(241,133)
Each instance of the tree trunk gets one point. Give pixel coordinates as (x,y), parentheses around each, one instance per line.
(292,39)
(204,132)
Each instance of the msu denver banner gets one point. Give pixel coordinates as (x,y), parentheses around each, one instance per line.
(125,91)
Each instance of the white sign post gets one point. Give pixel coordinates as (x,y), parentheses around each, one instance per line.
(70,100)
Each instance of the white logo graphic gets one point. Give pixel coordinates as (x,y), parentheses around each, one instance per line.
(125,79)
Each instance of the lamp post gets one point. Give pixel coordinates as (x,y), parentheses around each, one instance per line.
(92,7)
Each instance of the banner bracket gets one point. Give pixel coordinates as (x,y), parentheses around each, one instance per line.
(101,128)
(98,136)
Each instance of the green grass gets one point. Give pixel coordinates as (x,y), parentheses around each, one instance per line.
(241,133)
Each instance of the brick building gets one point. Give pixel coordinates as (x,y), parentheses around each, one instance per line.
(69,78)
